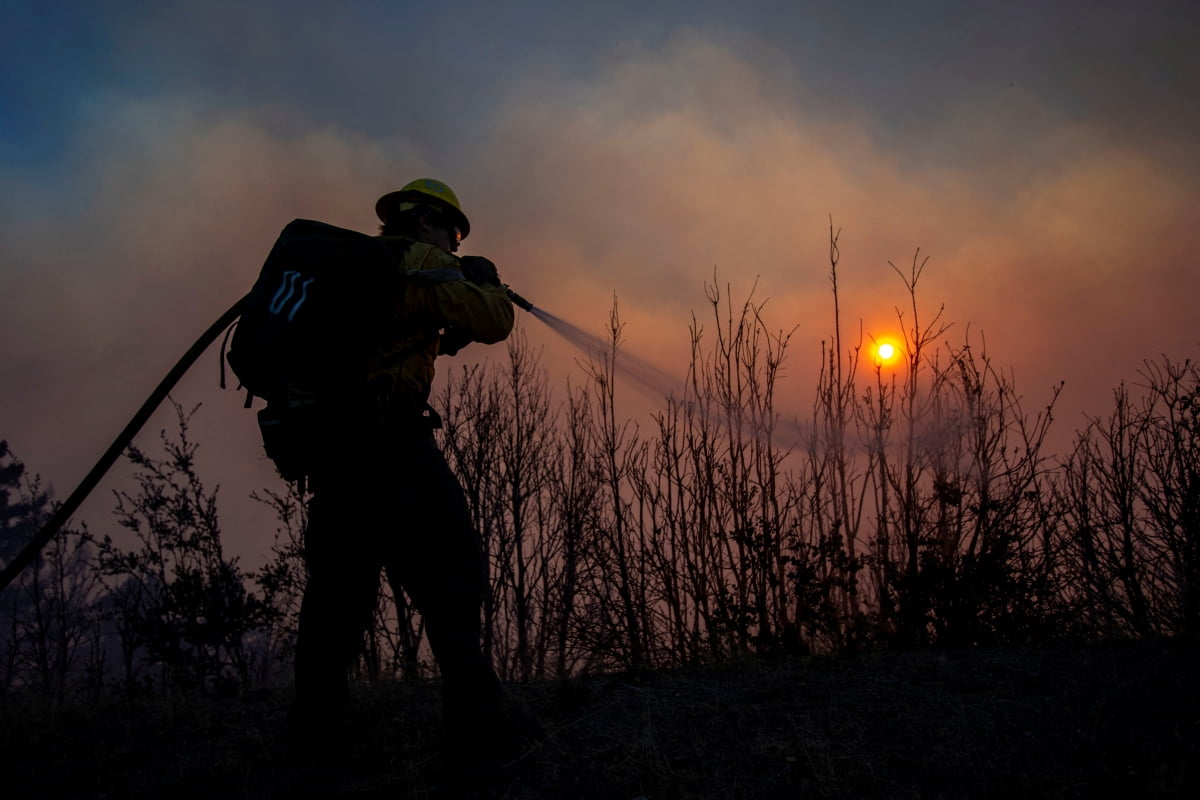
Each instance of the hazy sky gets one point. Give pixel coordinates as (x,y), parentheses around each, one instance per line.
(1042,154)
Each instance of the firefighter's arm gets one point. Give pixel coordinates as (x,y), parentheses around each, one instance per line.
(442,296)
(475,313)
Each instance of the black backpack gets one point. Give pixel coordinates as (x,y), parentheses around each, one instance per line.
(322,295)
(316,300)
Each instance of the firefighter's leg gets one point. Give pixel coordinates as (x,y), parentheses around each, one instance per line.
(440,562)
(339,598)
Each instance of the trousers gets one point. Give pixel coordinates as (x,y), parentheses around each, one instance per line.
(390,502)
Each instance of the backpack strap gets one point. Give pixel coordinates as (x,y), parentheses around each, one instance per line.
(224,348)
(428,277)
(221,357)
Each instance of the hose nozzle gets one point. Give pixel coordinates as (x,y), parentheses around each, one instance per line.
(518,300)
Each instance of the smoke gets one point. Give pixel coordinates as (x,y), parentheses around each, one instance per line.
(634,172)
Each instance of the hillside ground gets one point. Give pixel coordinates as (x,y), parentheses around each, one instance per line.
(1115,720)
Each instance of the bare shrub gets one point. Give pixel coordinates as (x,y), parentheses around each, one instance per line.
(48,631)
(1130,500)
(181,607)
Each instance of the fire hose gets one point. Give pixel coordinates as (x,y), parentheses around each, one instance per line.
(123,440)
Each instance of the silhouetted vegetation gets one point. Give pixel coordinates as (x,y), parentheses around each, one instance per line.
(49,638)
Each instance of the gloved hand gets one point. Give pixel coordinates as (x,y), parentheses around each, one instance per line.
(452,341)
(480,270)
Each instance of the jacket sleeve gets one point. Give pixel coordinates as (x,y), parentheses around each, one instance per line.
(481,313)
(484,313)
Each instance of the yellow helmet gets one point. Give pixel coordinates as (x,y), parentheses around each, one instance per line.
(426,192)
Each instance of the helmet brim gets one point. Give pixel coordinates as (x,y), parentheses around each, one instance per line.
(386,205)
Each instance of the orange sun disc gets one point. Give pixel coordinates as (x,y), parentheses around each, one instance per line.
(886,353)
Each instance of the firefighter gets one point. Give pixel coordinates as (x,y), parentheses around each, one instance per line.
(383,494)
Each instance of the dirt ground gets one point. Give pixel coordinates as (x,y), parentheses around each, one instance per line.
(1118,720)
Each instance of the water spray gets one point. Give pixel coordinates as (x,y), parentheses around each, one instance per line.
(641,373)
(652,381)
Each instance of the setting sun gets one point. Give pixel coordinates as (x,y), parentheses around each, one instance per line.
(885,352)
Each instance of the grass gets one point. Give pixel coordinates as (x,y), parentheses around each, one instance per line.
(1118,720)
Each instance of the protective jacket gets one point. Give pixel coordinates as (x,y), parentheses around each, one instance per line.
(435,297)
